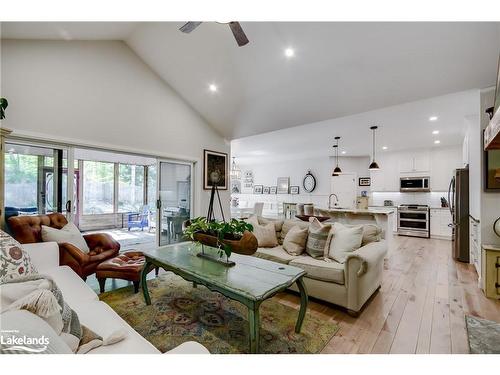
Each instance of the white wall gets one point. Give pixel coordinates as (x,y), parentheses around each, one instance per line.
(266,173)
(100,93)
(490,201)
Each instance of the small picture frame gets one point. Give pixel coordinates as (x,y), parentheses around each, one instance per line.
(273,189)
(364,181)
(265,190)
(257,189)
(283,184)
(294,190)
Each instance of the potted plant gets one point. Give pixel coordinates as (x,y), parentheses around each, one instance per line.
(227,237)
(3,106)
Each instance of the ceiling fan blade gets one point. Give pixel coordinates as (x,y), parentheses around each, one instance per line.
(190,26)
(238,33)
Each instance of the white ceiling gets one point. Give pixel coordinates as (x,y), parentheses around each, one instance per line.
(339,69)
(400,127)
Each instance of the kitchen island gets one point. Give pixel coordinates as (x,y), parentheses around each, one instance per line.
(383,217)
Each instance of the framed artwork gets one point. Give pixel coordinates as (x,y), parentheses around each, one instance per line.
(235,186)
(265,190)
(257,189)
(294,190)
(215,169)
(492,170)
(283,185)
(364,181)
(273,189)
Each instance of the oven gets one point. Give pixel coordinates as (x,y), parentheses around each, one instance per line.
(413,220)
(414,184)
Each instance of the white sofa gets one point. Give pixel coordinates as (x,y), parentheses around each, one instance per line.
(348,284)
(96,315)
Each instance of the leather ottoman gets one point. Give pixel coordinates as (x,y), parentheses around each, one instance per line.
(125,266)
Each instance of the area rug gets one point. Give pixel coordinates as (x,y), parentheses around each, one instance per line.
(181,313)
(484,335)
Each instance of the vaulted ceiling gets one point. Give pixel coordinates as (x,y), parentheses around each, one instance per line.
(339,69)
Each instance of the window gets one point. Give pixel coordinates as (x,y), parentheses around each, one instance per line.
(21,180)
(130,188)
(152,187)
(98,187)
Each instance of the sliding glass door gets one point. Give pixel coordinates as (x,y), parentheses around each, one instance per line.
(175,200)
(36,179)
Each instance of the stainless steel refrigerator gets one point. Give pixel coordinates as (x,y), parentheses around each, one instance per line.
(458,198)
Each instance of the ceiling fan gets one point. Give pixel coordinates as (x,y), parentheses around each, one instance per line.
(235,27)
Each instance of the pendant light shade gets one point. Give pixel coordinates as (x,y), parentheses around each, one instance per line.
(337,169)
(373,165)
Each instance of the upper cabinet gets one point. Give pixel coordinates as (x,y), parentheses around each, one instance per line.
(393,166)
(417,162)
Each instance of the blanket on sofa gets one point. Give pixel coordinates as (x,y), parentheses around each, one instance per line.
(40,295)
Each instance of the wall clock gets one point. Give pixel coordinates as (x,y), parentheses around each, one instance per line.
(309,182)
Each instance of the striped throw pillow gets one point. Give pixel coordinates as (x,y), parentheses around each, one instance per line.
(317,239)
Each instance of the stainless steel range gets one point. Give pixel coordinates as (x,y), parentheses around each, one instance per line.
(413,220)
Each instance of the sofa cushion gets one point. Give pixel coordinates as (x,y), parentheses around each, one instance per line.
(275,254)
(75,291)
(319,269)
(17,324)
(289,224)
(371,233)
(14,261)
(67,234)
(345,240)
(318,238)
(278,224)
(295,241)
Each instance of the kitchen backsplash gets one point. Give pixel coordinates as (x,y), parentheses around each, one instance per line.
(433,199)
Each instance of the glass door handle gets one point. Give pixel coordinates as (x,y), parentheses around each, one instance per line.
(158,203)
(68,206)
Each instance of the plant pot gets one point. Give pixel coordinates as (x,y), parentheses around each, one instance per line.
(246,245)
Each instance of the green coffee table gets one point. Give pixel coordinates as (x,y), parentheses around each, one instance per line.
(250,281)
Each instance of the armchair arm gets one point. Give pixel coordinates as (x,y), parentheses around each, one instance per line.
(360,260)
(363,273)
(99,242)
(78,255)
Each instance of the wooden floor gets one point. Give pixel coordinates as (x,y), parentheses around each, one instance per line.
(420,307)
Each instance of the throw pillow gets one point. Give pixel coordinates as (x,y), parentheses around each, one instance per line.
(265,234)
(317,239)
(345,240)
(67,234)
(14,261)
(289,224)
(295,241)
(371,233)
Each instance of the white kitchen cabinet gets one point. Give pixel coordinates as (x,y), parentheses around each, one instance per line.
(474,244)
(395,220)
(386,178)
(417,162)
(440,219)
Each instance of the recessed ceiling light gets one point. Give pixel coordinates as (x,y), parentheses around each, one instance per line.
(433,118)
(289,52)
(344,152)
(384,148)
(212,87)
(437,141)
(435,132)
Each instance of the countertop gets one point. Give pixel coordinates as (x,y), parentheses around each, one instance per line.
(372,211)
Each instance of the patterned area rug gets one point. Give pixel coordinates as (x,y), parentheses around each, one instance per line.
(182,313)
(484,335)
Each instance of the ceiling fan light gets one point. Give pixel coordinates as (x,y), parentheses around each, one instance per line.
(373,166)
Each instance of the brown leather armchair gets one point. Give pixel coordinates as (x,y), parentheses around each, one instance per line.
(28,229)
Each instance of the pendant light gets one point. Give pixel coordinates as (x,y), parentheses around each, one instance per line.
(337,169)
(373,166)
(235,171)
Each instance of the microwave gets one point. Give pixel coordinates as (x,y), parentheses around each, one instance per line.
(407,184)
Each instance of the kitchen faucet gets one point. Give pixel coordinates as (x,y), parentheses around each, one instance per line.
(330,199)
